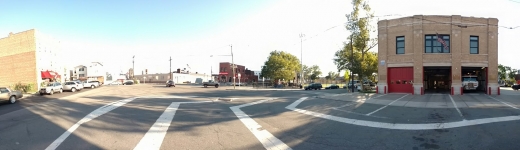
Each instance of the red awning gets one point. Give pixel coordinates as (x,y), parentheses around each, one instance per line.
(54,75)
(46,75)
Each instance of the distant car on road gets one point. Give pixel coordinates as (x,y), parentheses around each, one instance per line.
(210,83)
(170,83)
(515,87)
(314,86)
(333,86)
(128,82)
(7,94)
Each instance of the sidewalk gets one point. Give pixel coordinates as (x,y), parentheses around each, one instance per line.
(246,88)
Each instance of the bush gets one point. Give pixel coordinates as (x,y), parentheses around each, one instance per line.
(24,88)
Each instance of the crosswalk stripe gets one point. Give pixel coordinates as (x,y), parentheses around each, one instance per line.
(94,114)
(153,139)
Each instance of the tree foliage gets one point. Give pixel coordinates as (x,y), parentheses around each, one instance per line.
(315,72)
(502,71)
(355,54)
(280,65)
(332,75)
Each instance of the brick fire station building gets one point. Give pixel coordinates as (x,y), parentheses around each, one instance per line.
(413,60)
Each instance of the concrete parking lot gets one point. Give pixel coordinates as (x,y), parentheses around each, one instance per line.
(191,117)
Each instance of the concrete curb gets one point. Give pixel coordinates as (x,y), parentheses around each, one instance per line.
(267,89)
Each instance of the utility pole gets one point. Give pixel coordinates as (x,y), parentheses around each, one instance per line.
(171,68)
(133,67)
(301,58)
(233,66)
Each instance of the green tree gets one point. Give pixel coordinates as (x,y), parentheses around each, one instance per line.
(306,72)
(315,72)
(331,75)
(280,65)
(355,54)
(502,71)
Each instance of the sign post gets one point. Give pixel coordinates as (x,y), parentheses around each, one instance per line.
(263,81)
(238,79)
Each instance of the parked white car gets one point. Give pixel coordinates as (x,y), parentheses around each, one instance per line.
(72,86)
(51,88)
(80,85)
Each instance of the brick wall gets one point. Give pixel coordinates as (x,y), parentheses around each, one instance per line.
(18,59)
(414,29)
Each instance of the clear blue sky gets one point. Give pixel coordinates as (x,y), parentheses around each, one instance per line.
(155,30)
(125,20)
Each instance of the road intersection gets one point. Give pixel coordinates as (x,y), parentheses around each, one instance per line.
(154,117)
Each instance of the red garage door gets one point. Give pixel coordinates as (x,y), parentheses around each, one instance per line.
(400,80)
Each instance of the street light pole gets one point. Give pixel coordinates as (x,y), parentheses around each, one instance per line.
(233,66)
(133,67)
(301,57)
(171,68)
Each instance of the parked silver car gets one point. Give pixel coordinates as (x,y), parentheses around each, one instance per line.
(7,94)
(51,88)
(72,86)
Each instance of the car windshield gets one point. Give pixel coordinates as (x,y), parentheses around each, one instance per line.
(469,79)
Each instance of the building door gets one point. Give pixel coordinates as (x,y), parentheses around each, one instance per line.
(400,80)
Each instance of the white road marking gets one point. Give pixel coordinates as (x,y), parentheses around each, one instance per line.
(268,140)
(503,102)
(456,107)
(94,114)
(428,126)
(386,105)
(153,139)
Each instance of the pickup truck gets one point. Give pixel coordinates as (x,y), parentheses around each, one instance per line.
(210,83)
(91,84)
(7,94)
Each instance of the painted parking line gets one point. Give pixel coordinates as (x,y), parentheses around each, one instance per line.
(505,103)
(386,105)
(456,107)
(94,114)
(399,126)
(268,140)
(153,139)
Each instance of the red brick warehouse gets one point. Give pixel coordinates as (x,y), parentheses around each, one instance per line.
(226,73)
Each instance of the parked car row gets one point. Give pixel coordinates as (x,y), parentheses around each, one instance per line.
(72,86)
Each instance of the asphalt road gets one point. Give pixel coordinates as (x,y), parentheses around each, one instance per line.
(191,117)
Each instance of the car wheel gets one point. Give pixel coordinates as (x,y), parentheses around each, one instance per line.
(73,90)
(12,99)
(52,92)
(216,86)
(41,94)
(92,86)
